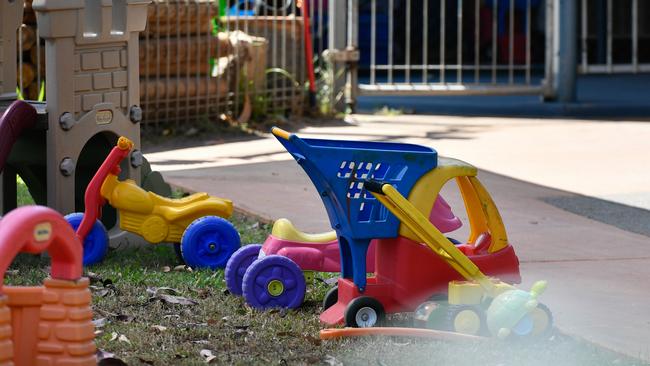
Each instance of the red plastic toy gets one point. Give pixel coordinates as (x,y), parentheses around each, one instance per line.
(407,272)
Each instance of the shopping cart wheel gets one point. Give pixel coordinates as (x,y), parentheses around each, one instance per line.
(274,282)
(237,266)
(364,312)
(331,298)
(208,242)
(96,242)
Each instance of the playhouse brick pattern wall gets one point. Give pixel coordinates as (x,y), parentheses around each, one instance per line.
(66,332)
(100,75)
(92,73)
(6,346)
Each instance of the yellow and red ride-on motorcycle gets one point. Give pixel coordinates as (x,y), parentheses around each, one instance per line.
(195,224)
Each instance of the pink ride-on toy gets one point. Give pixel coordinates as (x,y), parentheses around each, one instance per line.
(275,274)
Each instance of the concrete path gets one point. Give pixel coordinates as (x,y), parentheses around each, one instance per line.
(599,274)
(604,159)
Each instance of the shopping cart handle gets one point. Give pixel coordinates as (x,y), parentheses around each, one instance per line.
(277,131)
(374,186)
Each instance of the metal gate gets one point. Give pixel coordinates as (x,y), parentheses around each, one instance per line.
(614,36)
(450,47)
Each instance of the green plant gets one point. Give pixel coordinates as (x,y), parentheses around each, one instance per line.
(326,75)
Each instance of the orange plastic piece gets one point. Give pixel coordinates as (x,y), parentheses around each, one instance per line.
(332,333)
(52,324)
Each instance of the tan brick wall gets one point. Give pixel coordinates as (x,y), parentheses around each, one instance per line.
(6,346)
(66,334)
(100,75)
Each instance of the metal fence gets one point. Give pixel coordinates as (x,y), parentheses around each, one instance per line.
(210,59)
(204,60)
(453,46)
(614,36)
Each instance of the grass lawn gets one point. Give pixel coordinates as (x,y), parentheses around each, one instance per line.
(140,329)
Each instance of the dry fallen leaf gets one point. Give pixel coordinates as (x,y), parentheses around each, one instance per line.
(122,338)
(159,328)
(114,336)
(165,294)
(153,291)
(207,355)
(332,361)
(171,299)
(101,354)
(166,269)
(100,291)
(99,323)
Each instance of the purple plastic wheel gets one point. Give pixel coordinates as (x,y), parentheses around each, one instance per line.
(237,266)
(274,282)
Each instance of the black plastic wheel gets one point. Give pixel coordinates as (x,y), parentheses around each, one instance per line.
(466,319)
(431,315)
(364,312)
(331,297)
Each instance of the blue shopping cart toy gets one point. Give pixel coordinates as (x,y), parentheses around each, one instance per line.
(338,169)
(386,191)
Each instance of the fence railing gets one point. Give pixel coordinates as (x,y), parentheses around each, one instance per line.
(453,47)
(614,36)
(206,59)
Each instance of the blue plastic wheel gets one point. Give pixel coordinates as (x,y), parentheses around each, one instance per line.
(208,242)
(96,242)
(274,282)
(237,266)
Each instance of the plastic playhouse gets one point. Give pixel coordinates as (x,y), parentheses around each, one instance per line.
(206,239)
(49,324)
(304,255)
(407,273)
(93,98)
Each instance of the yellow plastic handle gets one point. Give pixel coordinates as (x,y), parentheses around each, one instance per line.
(277,131)
(123,143)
